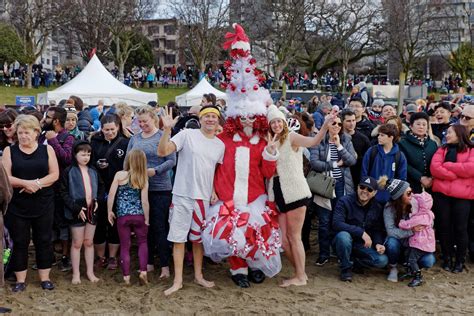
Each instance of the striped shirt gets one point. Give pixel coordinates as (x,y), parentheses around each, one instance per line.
(336,173)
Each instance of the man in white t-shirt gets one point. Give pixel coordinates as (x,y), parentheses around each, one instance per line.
(199,152)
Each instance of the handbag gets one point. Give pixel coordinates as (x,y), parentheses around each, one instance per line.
(321,184)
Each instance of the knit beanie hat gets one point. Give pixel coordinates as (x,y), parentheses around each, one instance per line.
(274,113)
(397,187)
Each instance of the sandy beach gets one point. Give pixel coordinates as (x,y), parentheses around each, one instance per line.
(370,293)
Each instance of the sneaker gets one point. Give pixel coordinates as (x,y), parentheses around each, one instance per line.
(100,263)
(65,264)
(321,261)
(346,275)
(393,274)
(112,265)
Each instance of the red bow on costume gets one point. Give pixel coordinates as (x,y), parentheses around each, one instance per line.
(238,36)
(251,238)
(227,213)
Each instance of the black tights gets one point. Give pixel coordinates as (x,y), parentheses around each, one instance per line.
(453,216)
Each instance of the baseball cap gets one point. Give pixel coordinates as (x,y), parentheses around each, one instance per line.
(369,182)
(412,108)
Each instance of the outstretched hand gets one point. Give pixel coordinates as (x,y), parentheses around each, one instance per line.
(329,119)
(167,118)
(271,143)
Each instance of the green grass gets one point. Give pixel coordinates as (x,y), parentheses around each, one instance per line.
(8,94)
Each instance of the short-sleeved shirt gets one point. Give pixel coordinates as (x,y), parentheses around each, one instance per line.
(197,159)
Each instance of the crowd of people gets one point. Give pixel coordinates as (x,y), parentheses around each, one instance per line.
(239,181)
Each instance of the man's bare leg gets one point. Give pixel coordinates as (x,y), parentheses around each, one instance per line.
(198,253)
(178,259)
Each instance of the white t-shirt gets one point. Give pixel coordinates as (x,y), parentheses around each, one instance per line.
(197,159)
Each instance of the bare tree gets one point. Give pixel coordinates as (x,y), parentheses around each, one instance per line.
(202,27)
(347,32)
(407,24)
(34,21)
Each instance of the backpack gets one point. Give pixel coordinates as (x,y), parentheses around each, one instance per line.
(373,154)
(370,99)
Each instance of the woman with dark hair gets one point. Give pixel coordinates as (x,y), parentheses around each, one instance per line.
(109,148)
(399,208)
(208,99)
(334,155)
(452,168)
(418,148)
(7,129)
(385,159)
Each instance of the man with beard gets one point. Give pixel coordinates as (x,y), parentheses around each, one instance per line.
(55,135)
(241,223)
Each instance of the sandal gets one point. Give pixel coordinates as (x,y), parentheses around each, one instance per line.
(19,287)
(47,285)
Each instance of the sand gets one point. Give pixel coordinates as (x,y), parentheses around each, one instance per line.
(443,293)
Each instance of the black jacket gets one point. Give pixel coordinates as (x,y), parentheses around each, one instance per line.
(100,146)
(84,121)
(350,216)
(365,126)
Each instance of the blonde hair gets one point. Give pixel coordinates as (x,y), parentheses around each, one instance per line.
(283,135)
(27,121)
(146,109)
(135,164)
(123,109)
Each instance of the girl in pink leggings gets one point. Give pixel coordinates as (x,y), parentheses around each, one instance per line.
(131,188)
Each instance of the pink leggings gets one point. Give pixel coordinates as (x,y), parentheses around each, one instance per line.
(125,225)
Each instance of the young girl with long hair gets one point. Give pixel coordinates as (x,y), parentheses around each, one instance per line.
(130,186)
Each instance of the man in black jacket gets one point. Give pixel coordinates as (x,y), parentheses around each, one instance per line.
(363,125)
(359,227)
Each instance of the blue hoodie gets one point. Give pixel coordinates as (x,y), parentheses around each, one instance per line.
(384,165)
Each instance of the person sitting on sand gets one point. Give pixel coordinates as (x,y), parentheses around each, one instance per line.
(359,227)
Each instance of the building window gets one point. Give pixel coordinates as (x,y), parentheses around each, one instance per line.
(170,59)
(156,43)
(170,29)
(170,45)
(47,61)
(55,60)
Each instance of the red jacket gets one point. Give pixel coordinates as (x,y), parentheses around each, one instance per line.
(252,168)
(454,179)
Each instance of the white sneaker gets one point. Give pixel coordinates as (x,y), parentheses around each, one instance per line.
(393,274)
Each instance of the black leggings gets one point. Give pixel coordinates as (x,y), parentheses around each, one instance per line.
(453,217)
(104,232)
(20,229)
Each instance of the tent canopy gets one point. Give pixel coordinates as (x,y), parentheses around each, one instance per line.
(96,83)
(194,96)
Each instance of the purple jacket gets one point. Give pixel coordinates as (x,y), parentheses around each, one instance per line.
(62,145)
(421,215)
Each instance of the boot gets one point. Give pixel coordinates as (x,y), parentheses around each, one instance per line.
(393,274)
(458,266)
(417,279)
(447,264)
(408,273)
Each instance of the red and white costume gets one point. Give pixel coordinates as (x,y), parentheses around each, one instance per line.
(243,224)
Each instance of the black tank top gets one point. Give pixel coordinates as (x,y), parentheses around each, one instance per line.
(31,167)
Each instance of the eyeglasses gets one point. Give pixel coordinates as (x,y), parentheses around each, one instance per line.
(7,125)
(366,188)
(49,117)
(251,119)
(465,117)
(336,123)
(409,193)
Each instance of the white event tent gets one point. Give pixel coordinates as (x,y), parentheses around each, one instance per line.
(96,83)
(194,96)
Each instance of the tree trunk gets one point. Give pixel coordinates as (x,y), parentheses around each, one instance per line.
(345,68)
(29,75)
(401,91)
(121,66)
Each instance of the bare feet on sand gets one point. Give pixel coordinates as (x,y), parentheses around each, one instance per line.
(294,281)
(176,287)
(126,279)
(76,279)
(93,278)
(165,273)
(204,283)
(143,278)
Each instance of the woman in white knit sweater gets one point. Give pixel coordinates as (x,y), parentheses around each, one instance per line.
(290,189)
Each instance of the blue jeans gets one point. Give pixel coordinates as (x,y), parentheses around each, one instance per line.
(324,231)
(159,227)
(339,191)
(346,250)
(393,249)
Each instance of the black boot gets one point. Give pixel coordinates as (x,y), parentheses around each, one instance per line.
(241,280)
(256,276)
(458,266)
(417,279)
(447,264)
(408,273)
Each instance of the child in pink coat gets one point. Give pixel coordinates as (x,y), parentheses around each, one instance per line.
(422,242)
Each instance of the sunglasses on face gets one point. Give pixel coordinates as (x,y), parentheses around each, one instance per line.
(363,187)
(337,124)
(251,119)
(409,193)
(465,117)
(8,125)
